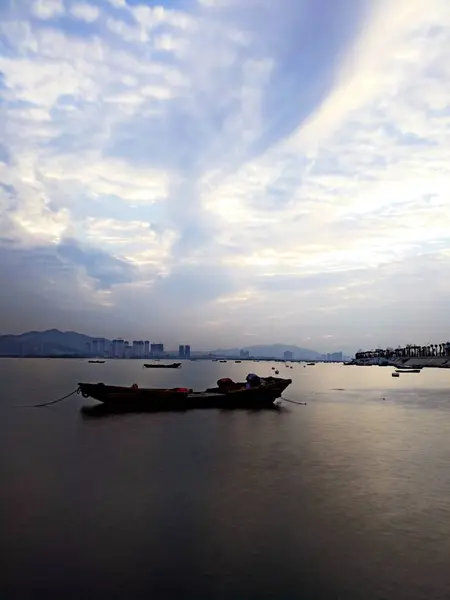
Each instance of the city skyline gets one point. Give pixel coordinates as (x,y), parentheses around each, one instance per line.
(226,172)
(59,343)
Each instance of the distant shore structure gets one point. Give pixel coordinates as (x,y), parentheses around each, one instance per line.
(409,351)
(411,355)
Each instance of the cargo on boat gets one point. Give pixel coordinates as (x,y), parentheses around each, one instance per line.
(227,394)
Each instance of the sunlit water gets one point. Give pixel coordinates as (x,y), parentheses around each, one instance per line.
(347,497)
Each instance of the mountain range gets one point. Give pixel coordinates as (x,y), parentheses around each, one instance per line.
(57,343)
(271,351)
(50,342)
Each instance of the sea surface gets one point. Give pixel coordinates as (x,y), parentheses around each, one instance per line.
(346,497)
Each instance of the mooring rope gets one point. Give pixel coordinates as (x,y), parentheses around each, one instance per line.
(77,391)
(293,401)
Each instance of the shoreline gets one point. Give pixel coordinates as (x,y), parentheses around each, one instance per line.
(436,362)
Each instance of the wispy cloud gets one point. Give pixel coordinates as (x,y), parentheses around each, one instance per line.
(84,11)
(217,163)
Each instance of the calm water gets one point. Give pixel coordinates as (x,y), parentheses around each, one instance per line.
(347,497)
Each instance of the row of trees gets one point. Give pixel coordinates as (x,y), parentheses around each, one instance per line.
(409,351)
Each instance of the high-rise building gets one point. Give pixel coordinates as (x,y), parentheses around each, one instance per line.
(146,348)
(95,347)
(138,348)
(180,351)
(157,349)
(101,347)
(288,355)
(87,346)
(127,350)
(187,351)
(118,348)
(244,354)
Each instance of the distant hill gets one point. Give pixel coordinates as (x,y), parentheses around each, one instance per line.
(272,351)
(47,342)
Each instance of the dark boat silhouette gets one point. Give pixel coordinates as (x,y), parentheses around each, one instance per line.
(227,394)
(162,366)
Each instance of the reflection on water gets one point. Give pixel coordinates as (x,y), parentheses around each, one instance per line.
(346,497)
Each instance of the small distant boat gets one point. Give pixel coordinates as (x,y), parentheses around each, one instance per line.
(238,361)
(311,364)
(97,362)
(395,374)
(162,366)
(407,370)
(227,394)
(222,361)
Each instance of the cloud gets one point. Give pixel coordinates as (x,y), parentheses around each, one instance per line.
(84,11)
(47,9)
(230,167)
(105,269)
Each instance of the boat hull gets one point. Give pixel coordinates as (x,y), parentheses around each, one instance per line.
(156,400)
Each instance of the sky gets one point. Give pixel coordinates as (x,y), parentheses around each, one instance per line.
(225,172)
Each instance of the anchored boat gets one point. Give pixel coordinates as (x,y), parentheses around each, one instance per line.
(162,366)
(227,394)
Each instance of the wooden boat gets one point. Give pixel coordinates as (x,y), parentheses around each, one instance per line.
(395,374)
(96,361)
(162,366)
(227,394)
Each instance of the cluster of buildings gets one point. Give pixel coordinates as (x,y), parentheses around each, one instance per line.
(332,357)
(329,357)
(120,348)
(184,351)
